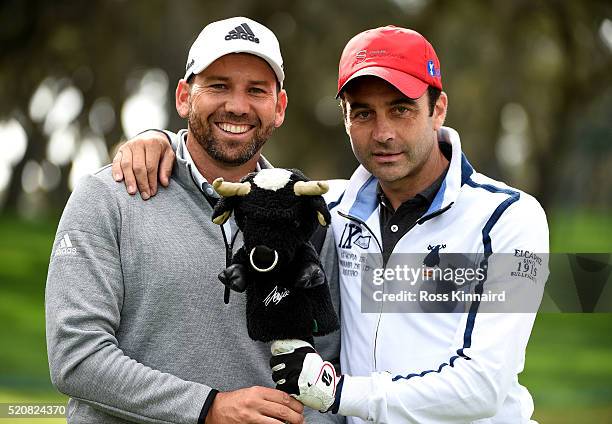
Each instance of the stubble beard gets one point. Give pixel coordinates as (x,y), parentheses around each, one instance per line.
(228,153)
(415,159)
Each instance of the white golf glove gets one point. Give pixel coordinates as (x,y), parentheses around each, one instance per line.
(298,369)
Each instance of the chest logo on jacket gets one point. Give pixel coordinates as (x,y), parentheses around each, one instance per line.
(433,257)
(352,234)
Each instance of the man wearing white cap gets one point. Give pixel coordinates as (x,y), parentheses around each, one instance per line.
(137,329)
(416,193)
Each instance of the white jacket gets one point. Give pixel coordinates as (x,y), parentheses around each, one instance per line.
(437,367)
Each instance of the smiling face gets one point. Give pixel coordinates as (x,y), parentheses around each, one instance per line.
(232,107)
(393,136)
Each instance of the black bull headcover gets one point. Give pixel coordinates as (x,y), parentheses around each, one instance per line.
(278,210)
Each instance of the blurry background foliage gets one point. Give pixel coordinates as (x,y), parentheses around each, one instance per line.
(529,84)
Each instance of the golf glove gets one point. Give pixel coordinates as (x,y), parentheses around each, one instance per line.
(299,370)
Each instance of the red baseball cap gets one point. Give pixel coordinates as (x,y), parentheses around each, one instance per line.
(400,56)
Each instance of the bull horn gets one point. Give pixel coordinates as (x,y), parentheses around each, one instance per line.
(227,189)
(310,188)
(321,219)
(220,220)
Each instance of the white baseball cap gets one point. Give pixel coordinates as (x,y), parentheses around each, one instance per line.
(234,35)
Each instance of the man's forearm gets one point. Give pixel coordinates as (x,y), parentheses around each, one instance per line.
(132,391)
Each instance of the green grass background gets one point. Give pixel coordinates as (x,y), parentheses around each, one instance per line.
(569,357)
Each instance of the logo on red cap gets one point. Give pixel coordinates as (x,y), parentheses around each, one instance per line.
(400,56)
(431,69)
(360,56)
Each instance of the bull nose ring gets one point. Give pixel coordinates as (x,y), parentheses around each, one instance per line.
(270,268)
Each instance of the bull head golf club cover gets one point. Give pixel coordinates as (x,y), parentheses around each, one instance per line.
(278,210)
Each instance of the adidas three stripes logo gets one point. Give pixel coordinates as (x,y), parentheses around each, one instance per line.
(242,32)
(65,241)
(65,247)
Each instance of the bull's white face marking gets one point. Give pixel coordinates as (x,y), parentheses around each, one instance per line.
(272,179)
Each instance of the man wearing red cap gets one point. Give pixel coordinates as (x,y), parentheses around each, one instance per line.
(416,193)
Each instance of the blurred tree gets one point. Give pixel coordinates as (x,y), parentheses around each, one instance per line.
(81,44)
(538,71)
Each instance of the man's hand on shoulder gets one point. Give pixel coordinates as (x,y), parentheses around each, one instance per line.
(300,371)
(138,160)
(255,405)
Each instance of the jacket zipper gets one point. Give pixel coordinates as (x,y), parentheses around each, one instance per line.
(359,221)
(419,221)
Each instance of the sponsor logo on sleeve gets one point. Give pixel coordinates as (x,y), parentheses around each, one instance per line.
(65,247)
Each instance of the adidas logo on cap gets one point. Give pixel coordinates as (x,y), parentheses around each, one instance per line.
(65,247)
(242,32)
(252,38)
(190,64)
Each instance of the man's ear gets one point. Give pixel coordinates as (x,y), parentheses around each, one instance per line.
(343,107)
(183,90)
(281,106)
(440,109)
